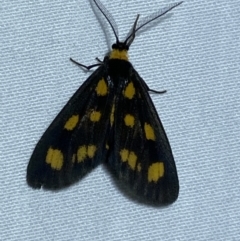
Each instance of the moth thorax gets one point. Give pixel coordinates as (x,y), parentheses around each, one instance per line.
(119,54)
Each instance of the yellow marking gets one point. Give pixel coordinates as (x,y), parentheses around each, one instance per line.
(101,88)
(85,151)
(139,167)
(149,132)
(95,116)
(129,157)
(119,54)
(81,153)
(129,91)
(129,120)
(132,159)
(107,146)
(124,154)
(71,122)
(54,158)
(91,149)
(112,115)
(155,171)
(73,158)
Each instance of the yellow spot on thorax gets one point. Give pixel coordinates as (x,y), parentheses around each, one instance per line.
(95,116)
(85,151)
(155,171)
(54,158)
(112,115)
(101,88)
(129,120)
(119,54)
(129,157)
(149,132)
(71,122)
(129,92)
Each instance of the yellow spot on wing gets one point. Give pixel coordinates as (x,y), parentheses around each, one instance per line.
(54,158)
(71,122)
(129,157)
(91,151)
(124,154)
(129,120)
(85,151)
(95,116)
(132,159)
(139,167)
(81,153)
(119,54)
(129,91)
(149,132)
(112,115)
(155,171)
(73,158)
(101,88)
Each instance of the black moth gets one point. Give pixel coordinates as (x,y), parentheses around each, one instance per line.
(111,118)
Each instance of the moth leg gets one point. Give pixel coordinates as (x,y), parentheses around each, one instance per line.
(85,66)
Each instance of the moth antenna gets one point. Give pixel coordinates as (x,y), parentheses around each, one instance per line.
(108,17)
(146,21)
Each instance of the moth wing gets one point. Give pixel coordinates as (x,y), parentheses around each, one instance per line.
(74,143)
(141,155)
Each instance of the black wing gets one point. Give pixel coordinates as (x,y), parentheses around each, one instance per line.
(75,141)
(140,153)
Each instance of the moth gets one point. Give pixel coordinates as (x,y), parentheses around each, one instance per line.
(110,119)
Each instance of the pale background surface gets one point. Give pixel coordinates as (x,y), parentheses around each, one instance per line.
(194,54)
